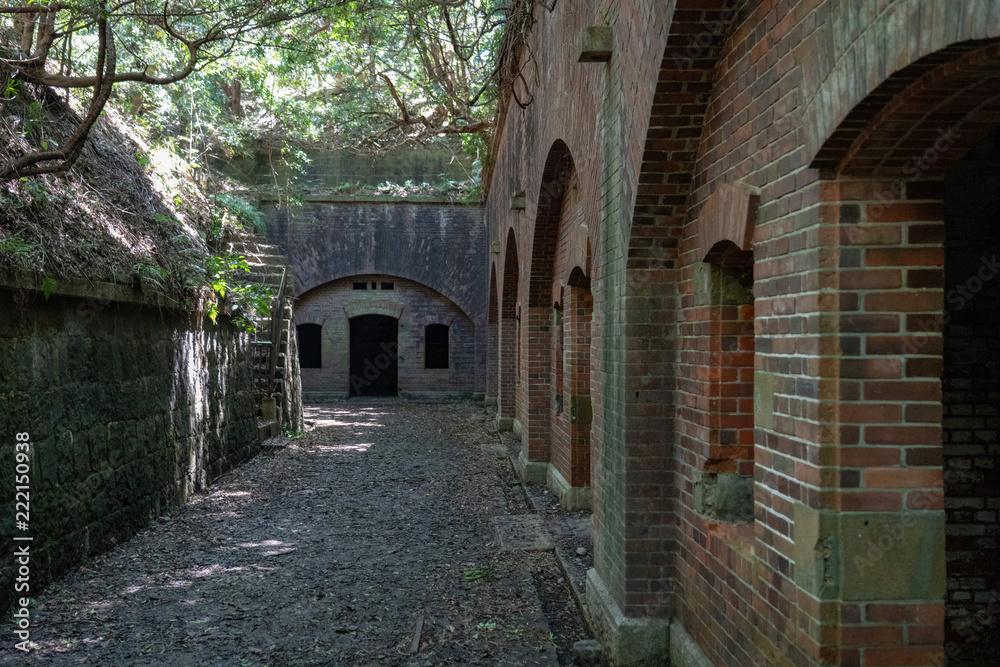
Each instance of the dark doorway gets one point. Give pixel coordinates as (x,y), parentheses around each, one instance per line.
(971,402)
(374,356)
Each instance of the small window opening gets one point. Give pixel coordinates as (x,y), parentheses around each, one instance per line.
(388,286)
(310,345)
(436,346)
(360,285)
(374,285)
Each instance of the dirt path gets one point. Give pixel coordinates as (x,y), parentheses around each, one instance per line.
(327,553)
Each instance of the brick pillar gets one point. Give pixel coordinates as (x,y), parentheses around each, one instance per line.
(507,372)
(493,343)
(537,374)
(890,537)
(577,401)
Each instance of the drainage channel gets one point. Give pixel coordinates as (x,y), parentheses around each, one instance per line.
(555,545)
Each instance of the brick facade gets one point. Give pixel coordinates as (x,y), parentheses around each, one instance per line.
(415,306)
(808,153)
(435,252)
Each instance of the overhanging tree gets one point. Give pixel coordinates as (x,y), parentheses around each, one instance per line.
(363,74)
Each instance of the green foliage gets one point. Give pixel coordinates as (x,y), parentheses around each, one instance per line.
(48,286)
(150,273)
(225,277)
(16,247)
(467,190)
(247,216)
(480,573)
(229,78)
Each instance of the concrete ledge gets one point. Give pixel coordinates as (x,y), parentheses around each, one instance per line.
(505,423)
(627,642)
(517,428)
(572,498)
(490,401)
(684,650)
(97,292)
(530,472)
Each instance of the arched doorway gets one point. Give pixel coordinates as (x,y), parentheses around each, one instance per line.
(374,355)
(914,192)
(579,311)
(545,417)
(493,342)
(509,337)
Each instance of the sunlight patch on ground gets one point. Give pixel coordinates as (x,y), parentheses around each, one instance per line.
(357,447)
(325,416)
(230,494)
(274,547)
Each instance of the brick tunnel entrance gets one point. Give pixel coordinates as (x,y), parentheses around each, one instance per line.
(374,355)
(971,398)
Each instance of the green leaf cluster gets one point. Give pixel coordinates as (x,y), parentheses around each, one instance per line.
(227,279)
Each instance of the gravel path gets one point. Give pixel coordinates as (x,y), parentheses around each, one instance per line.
(330,552)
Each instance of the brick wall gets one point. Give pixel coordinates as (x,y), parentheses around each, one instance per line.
(130,407)
(816,109)
(438,245)
(416,306)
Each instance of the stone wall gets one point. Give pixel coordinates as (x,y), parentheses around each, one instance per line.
(130,407)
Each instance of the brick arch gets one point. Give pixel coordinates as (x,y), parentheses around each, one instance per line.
(367,306)
(727,216)
(559,169)
(538,397)
(307,293)
(920,127)
(695,43)
(511,277)
(578,278)
(882,194)
(507,334)
(492,338)
(680,102)
(845,89)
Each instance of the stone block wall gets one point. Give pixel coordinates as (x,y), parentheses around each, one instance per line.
(130,407)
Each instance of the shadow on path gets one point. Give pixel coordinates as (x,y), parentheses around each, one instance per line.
(326,553)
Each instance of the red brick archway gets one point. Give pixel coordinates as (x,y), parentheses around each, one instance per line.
(493,340)
(539,322)
(508,332)
(698,32)
(884,198)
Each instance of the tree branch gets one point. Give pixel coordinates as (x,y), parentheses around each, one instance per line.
(30,164)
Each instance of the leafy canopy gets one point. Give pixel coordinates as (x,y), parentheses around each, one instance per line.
(228,76)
